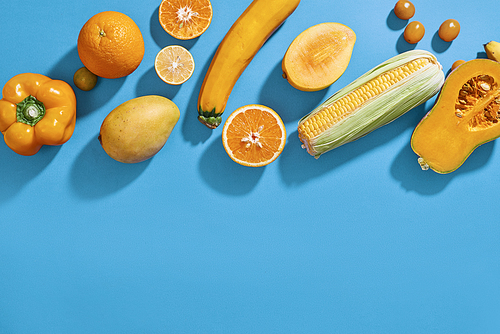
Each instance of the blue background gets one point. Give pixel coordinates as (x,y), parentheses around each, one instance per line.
(358,241)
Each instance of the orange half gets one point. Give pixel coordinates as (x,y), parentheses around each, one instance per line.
(254,135)
(185,19)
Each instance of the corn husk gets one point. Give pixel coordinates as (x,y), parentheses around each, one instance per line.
(381,109)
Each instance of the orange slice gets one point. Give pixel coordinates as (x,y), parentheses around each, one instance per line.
(174,64)
(185,19)
(254,135)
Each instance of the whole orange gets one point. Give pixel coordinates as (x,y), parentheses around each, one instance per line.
(110,45)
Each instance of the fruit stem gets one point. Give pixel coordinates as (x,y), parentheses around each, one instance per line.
(30,111)
(211,119)
(210,122)
(423,164)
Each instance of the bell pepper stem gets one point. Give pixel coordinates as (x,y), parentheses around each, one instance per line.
(30,110)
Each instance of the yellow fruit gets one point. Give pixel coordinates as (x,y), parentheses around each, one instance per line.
(449,30)
(404,9)
(457,63)
(492,50)
(174,64)
(414,32)
(137,129)
(318,56)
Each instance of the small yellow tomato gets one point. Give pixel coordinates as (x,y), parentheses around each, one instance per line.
(414,32)
(457,63)
(404,9)
(449,30)
(84,79)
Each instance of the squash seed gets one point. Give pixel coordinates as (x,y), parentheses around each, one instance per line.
(485,86)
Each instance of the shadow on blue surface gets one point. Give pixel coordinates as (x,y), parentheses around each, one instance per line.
(66,67)
(438,45)
(150,84)
(394,22)
(192,129)
(406,169)
(298,167)
(162,38)
(402,45)
(223,174)
(86,101)
(20,170)
(290,103)
(482,55)
(94,174)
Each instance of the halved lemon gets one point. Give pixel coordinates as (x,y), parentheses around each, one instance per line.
(254,135)
(174,64)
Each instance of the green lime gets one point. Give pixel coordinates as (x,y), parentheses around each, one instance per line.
(84,79)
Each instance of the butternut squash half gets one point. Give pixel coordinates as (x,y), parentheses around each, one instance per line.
(318,56)
(465,115)
(239,46)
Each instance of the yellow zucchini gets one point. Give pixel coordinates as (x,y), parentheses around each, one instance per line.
(237,49)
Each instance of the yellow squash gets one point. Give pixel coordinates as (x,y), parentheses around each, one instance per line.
(237,49)
(466,115)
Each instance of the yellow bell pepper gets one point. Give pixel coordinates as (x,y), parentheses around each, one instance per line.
(35,111)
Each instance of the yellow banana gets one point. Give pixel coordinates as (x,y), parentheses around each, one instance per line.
(492,50)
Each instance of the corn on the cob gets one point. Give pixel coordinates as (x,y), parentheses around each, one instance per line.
(371,101)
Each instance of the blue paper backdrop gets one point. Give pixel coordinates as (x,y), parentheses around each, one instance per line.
(358,241)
